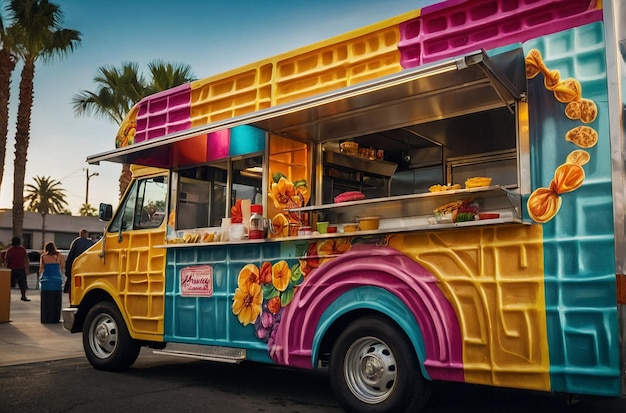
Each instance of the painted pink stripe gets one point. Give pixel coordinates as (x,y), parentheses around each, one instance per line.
(453,28)
(163,113)
(380,267)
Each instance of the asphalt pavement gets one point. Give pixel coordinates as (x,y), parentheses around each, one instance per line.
(24,339)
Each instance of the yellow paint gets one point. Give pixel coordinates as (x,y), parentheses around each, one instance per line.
(133,274)
(140,170)
(354,57)
(357,56)
(493,276)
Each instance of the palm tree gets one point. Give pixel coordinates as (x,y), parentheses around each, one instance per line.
(86,210)
(36,35)
(46,197)
(7,65)
(119,89)
(167,75)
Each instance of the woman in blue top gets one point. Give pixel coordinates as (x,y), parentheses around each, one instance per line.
(51,266)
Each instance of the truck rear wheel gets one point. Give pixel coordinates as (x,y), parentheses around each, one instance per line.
(374,368)
(107,343)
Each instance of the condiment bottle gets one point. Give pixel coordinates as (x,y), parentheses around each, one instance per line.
(257,222)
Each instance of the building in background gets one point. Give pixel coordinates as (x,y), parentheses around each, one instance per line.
(60,229)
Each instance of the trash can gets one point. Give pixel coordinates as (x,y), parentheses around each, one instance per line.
(5,295)
(51,297)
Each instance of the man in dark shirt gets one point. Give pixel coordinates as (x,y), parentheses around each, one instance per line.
(78,246)
(16,259)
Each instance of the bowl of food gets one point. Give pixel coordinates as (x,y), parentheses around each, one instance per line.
(350,227)
(369,223)
(477,182)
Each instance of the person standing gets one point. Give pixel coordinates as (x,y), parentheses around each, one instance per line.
(78,246)
(51,267)
(16,259)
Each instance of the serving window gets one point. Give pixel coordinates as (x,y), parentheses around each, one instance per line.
(201,196)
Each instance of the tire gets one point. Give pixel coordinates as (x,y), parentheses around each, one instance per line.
(374,368)
(106,341)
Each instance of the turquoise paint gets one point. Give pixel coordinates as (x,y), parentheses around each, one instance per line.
(579,254)
(210,320)
(245,140)
(376,299)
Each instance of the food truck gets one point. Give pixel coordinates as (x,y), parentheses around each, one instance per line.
(435,197)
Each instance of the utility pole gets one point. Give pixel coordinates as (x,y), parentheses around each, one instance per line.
(88,177)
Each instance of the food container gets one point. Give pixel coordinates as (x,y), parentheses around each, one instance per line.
(350,227)
(457,211)
(351,148)
(443,218)
(304,230)
(488,216)
(477,182)
(332,229)
(369,223)
(236,232)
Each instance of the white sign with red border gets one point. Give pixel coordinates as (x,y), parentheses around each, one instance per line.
(196,281)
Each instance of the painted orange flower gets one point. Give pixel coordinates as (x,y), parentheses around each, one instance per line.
(281,275)
(248,275)
(247,303)
(329,249)
(273,305)
(283,193)
(265,275)
(311,261)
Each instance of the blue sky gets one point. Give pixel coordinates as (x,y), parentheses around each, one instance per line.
(212,36)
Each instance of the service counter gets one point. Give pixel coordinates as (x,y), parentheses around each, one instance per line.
(401,213)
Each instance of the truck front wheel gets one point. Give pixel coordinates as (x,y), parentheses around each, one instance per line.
(107,343)
(374,368)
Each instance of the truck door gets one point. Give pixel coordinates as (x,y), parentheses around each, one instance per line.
(129,253)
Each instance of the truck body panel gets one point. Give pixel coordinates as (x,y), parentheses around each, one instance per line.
(529,95)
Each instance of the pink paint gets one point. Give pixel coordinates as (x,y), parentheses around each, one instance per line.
(453,28)
(218,145)
(164,113)
(380,267)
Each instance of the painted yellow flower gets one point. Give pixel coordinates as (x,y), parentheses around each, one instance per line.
(303,191)
(247,303)
(248,275)
(281,275)
(283,193)
(330,248)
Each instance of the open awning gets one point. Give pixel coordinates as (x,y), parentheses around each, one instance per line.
(472,83)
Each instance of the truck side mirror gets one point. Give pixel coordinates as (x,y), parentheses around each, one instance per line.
(105,212)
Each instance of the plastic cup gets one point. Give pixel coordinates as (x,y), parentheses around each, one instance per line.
(322,227)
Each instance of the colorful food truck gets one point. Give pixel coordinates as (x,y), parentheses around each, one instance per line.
(435,197)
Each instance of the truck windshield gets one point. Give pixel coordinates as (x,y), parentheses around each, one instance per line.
(143,207)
